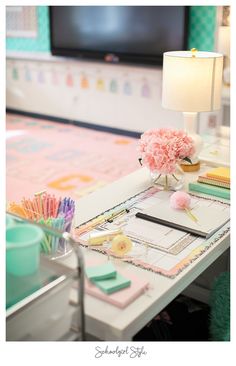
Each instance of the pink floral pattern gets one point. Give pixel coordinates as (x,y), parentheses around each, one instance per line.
(161,149)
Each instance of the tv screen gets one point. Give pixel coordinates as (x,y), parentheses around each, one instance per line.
(137,34)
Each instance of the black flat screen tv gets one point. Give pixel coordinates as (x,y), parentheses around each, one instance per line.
(129,34)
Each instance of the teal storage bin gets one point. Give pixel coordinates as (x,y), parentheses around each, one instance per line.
(23,249)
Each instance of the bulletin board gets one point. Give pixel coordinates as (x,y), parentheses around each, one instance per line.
(39,40)
(21,21)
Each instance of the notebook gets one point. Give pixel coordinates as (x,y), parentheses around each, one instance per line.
(121,298)
(220,173)
(101,272)
(213,181)
(210,189)
(210,219)
(114,284)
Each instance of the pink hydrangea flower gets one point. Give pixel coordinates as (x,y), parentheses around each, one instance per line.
(161,149)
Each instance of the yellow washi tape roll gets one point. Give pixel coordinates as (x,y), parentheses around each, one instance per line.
(121,245)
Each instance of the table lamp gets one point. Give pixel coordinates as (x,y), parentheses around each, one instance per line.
(191,84)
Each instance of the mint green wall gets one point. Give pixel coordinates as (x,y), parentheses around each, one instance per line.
(202,20)
(202,23)
(39,44)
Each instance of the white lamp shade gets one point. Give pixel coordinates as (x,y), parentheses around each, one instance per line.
(223,45)
(192,84)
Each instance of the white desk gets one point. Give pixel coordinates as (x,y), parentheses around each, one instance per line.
(106,321)
(216,150)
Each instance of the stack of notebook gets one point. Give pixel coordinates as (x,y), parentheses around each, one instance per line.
(117,288)
(216,182)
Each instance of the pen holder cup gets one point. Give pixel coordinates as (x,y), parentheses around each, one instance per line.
(23,249)
(54,247)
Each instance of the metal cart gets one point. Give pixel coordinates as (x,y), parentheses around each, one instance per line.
(37,306)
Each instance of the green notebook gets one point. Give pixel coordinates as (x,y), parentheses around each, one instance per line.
(113,284)
(101,272)
(209,189)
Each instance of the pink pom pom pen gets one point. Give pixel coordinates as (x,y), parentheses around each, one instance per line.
(181,201)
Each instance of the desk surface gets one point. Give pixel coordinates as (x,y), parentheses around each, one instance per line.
(106,321)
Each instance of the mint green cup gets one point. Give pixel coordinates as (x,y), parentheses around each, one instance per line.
(9,221)
(23,249)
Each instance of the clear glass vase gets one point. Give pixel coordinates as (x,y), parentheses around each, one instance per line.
(169,182)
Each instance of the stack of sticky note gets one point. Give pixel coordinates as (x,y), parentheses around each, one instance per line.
(106,278)
(216,182)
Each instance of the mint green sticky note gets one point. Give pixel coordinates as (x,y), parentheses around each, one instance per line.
(101,272)
(113,284)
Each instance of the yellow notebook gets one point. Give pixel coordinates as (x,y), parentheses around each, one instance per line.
(220,173)
(213,181)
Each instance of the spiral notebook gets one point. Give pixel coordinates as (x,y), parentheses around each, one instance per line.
(209,219)
(213,181)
